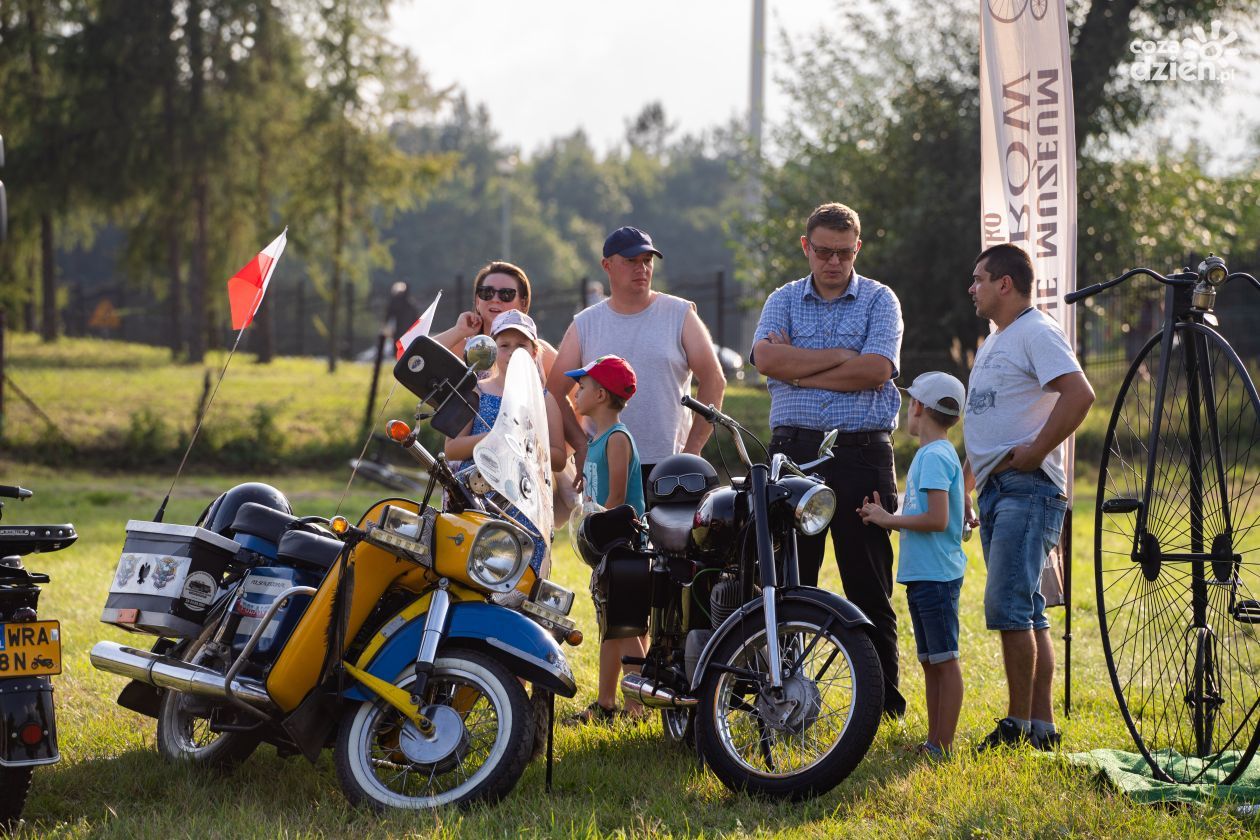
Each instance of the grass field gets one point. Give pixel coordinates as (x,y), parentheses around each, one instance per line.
(624,782)
(121,409)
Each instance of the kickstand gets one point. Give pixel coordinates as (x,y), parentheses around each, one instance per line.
(551,731)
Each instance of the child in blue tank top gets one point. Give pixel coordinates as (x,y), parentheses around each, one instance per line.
(611,476)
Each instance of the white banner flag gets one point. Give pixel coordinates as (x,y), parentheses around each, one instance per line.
(1028,150)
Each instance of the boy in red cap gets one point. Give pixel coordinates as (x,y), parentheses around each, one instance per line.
(611,476)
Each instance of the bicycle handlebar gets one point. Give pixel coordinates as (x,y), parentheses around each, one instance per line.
(1177,278)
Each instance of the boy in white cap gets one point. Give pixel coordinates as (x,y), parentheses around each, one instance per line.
(931,560)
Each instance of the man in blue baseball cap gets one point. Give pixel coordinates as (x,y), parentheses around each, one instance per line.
(662,338)
(629,242)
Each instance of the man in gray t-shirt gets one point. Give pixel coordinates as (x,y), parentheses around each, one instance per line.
(662,338)
(1026,395)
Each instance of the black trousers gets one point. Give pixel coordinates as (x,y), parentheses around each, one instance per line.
(863,552)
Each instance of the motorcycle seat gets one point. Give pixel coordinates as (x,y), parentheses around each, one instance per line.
(32,539)
(669,525)
(263,522)
(302,548)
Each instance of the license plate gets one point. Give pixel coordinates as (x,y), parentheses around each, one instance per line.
(30,648)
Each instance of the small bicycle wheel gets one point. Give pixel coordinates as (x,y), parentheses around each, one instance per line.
(1178,572)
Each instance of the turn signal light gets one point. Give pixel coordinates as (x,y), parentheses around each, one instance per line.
(397,430)
(574,638)
(31,734)
(339,525)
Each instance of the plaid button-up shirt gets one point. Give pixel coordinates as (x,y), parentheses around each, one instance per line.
(866,318)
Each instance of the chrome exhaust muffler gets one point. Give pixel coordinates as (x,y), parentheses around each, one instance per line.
(165,672)
(640,688)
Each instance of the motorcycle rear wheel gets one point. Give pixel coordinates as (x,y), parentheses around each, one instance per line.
(493,749)
(832,677)
(183,731)
(15,784)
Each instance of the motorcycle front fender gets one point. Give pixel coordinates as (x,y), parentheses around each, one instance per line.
(751,616)
(526,649)
(25,700)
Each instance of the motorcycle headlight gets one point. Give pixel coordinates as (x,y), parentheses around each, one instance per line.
(499,555)
(552,596)
(814,511)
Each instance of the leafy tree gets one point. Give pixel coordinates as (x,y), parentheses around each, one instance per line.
(357,177)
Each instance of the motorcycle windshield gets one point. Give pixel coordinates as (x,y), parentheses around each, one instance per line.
(515,456)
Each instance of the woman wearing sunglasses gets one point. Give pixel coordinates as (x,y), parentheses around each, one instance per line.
(498,287)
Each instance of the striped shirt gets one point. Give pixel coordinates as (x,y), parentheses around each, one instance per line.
(866,318)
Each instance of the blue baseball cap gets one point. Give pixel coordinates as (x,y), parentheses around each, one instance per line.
(629,242)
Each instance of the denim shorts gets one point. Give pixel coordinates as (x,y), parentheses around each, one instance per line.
(934,616)
(1021,517)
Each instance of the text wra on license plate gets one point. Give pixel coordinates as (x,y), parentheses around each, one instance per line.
(30,648)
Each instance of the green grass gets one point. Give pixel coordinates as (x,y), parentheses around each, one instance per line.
(624,782)
(124,413)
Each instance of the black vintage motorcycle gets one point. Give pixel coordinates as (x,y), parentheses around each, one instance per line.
(777,683)
(30,653)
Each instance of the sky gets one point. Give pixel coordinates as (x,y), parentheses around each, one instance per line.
(548,67)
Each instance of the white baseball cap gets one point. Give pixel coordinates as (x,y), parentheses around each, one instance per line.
(514,319)
(932,387)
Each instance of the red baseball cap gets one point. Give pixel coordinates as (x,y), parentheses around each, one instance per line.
(612,372)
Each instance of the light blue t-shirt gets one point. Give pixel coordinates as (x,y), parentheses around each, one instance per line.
(595,471)
(933,555)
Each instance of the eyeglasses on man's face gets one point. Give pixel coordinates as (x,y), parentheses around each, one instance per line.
(488,293)
(827,254)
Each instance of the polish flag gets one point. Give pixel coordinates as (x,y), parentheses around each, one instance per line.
(247,286)
(419,328)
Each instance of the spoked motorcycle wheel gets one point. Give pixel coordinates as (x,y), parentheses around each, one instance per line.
(483,740)
(15,784)
(1178,572)
(679,726)
(805,741)
(183,727)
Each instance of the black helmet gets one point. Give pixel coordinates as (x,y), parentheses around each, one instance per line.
(598,531)
(680,478)
(219,515)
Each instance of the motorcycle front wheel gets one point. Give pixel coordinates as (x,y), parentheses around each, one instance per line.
(803,741)
(484,735)
(183,725)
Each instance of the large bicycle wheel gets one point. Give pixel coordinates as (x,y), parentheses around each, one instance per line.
(1178,572)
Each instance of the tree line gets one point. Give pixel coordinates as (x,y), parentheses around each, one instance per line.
(168,140)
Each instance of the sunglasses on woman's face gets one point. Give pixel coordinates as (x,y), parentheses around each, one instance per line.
(488,293)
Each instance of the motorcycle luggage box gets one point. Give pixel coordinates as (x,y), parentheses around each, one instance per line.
(259,528)
(167,578)
(302,548)
(622,591)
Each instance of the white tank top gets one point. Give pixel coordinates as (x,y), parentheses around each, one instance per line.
(651,341)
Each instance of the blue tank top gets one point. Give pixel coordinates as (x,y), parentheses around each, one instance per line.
(595,471)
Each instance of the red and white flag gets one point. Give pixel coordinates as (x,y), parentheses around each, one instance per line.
(419,328)
(247,286)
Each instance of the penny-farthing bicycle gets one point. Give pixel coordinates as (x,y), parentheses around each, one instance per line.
(1177,539)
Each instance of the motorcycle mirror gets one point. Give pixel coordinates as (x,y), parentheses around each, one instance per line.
(480,352)
(824,451)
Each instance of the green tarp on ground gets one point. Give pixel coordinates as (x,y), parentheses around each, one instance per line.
(1131,774)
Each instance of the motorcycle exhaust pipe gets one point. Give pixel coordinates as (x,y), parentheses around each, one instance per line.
(165,672)
(640,688)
